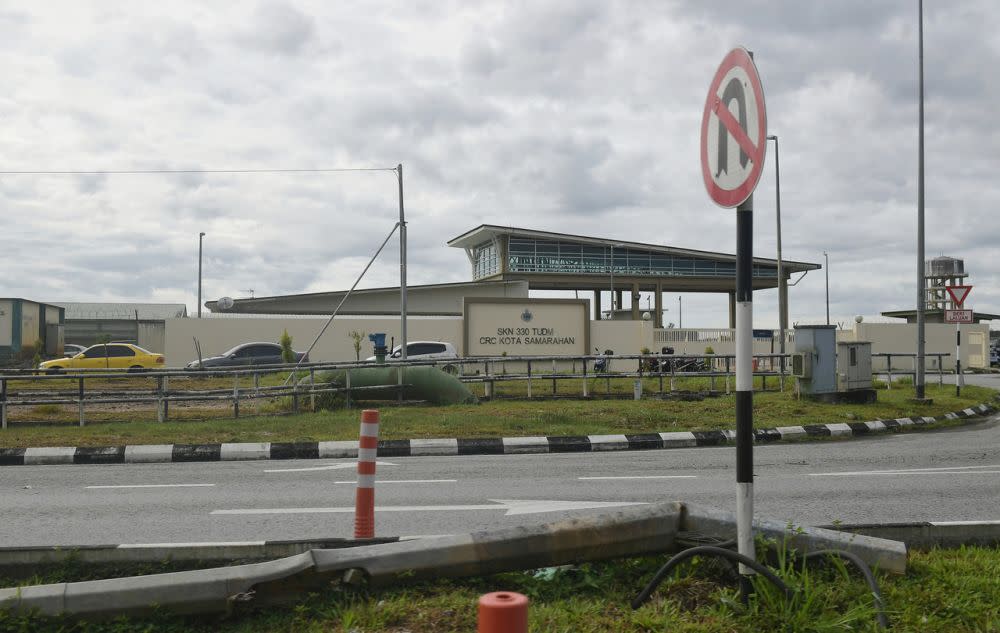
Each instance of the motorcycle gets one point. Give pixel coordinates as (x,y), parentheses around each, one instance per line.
(601,364)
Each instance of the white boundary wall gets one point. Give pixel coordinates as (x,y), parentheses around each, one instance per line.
(624,337)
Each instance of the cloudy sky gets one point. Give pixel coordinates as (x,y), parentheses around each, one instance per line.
(576,116)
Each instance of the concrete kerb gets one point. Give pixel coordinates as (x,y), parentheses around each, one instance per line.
(635,531)
(156,453)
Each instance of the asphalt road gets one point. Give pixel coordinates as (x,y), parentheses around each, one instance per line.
(945,475)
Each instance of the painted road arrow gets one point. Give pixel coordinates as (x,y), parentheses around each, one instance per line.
(512,506)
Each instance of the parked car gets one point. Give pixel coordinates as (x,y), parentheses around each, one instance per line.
(247,354)
(422,350)
(994,356)
(72,349)
(108,356)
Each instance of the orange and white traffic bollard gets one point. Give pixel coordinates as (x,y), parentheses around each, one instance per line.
(503,612)
(364,499)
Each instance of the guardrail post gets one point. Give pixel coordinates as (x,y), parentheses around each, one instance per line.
(553,376)
(295,392)
(256,393)
(312,389)
(364,498)
(529,379)
(585,395)
(159,399)
(727,375)
(673,376)
(940,370)
(3,403)
(347,385)
(82,421)
(888,383)
(488,384)
(236,395)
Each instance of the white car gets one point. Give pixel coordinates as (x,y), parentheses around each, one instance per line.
(423,350)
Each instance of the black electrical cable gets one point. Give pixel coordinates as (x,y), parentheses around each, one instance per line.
(883,619)
(713,551)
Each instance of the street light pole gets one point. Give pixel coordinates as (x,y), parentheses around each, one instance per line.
(918,379)
(782,287)
(826,267)
(200,236)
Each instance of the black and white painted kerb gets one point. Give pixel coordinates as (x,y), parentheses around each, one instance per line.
(156,453)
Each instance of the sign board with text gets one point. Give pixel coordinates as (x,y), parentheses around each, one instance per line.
(526,327)
(958,316)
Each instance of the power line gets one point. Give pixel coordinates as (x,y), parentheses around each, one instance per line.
(185,171)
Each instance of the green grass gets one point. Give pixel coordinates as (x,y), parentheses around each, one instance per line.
(496,418)
(944,591)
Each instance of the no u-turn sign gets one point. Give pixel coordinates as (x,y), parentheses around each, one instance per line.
(733,131)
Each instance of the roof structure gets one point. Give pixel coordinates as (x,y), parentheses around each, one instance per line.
(561,261)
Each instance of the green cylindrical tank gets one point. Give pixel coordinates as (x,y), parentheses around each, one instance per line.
(422,383)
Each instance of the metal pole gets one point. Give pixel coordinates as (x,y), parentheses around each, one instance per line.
(782,288)
(958,359)
(826,267)
(200,236)
(744,388)
(612,281)
(918,380)
(680,313)
(402,265)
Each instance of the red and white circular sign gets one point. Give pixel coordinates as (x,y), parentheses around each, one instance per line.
(733,131)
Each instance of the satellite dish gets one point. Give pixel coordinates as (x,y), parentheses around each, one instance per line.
(224,303)
(646,316)
(859,319)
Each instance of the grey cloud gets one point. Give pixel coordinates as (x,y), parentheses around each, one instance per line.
(278,27)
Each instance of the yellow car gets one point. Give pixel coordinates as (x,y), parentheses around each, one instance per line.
(108,356)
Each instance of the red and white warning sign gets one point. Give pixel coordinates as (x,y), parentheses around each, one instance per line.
(733,131)
(958,294)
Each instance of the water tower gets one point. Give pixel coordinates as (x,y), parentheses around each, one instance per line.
(940,272)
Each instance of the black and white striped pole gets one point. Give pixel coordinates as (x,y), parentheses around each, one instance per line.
(744,387)
(733,144)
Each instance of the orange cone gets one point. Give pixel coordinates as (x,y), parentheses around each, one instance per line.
(503,612)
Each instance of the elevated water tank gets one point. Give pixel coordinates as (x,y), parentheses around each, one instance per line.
(945,267)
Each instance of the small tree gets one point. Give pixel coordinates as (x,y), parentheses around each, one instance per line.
(287,355)
(357,338)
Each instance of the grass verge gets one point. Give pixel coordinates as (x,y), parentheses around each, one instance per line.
(496,418)
(944,591)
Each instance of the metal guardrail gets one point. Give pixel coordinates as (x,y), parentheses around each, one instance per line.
(488,371)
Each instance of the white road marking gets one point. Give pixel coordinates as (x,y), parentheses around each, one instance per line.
(151,486)
(641,477)
(195,544)
(405,481)
(329,467)
(953,470)
(512,506)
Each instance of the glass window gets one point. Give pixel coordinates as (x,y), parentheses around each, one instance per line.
(119,351)
(97,351)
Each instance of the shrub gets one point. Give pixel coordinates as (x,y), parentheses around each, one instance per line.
(287,355)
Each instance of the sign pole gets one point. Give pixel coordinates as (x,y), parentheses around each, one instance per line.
(733,143)
(958,359)
(744,389)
